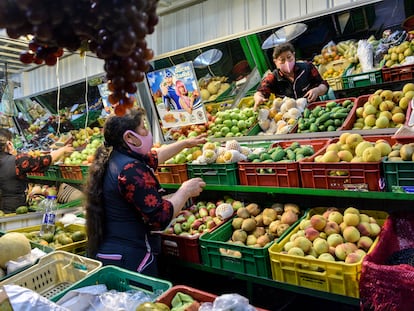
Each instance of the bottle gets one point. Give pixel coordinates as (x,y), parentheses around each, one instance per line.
(49,215)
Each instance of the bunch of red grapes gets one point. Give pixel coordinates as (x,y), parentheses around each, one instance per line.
(114,30)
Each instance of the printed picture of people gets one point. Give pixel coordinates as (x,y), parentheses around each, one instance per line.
(176,95)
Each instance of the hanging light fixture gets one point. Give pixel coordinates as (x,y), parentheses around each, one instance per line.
(284,34)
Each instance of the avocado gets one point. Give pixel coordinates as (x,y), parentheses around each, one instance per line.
(22,209)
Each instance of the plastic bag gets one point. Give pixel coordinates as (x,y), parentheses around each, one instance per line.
(23,261)
(365,55)
(228,302)
(99,298)
(24,299)
(329,52)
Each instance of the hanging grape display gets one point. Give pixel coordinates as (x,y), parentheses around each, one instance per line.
(114,30)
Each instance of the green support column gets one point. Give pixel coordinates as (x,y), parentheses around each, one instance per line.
(254,53)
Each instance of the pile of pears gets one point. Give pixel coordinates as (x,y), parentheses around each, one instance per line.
(384,109)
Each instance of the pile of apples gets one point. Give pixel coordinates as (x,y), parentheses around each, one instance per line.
(83,135)
(232,122)
(86,156)
(334,236)
(202,217)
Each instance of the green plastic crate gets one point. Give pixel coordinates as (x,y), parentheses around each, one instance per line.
(53,171)
(398,173)
(217,174)
(121,280)
(252,261)
(361,79)
(92,117)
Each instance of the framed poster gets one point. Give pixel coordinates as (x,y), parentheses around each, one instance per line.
(176,95)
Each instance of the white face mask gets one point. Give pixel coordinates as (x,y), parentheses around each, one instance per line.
(146,142)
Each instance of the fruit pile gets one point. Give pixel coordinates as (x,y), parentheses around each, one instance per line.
(232,122)
(334,236)
(281,117)
(232,152)
(396,55)
(86,155)
(277,153)
(114,30)
(324,117)
(62,236)
(256,227)
(352,147)
(384,109)
(211,88)
(202,217)
(401,152)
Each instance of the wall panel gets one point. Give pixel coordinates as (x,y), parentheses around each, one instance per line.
(202,24)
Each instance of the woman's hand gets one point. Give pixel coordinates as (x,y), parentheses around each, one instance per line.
(195,141)
(258,100)
(193,187)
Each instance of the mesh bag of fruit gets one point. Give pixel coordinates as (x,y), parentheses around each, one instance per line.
(387,276)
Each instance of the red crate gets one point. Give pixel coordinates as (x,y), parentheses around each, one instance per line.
(398,73)
(184,247)
(172,173)
(334,175)
(360,101)
(276,174)
(196,294)
(313,105)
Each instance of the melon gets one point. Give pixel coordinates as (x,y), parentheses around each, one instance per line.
(12,246)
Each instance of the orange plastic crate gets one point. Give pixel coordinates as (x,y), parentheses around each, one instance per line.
(334,175)
(276,174)
(172,173)
(74,172)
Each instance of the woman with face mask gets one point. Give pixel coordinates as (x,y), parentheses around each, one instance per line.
(124,198)
(290,78)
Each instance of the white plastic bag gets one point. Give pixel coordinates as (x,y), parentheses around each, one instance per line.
(228,302)
(24,299)
(365,55)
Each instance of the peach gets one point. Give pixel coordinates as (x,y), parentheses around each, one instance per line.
(375,229)
(365,242)
(331,227)
(363,218)
(321,246)
(364,228)
(351,210)
(313,252)
(351,234)
(335,239)
(296,251)
(351,219)
(311,233)
(336,217)
(304,223)
(342,250)
(288,246)
(342,226)
(323,235)
(303,243)
(326,257)
(318,222)
(361,252)
(352,258)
